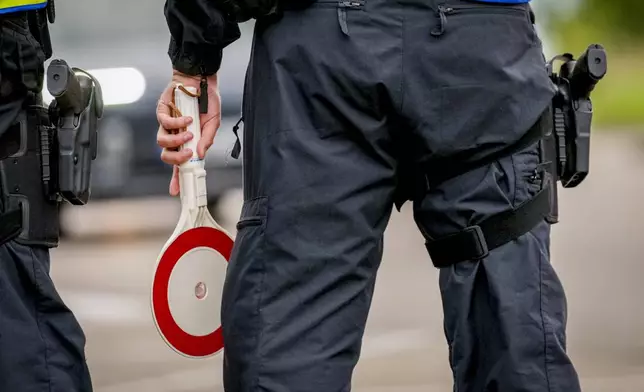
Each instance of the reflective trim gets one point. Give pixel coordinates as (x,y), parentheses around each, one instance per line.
(9,6)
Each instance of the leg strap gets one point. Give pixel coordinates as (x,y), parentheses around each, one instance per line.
(475,242)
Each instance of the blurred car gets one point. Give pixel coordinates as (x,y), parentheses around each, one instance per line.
(124,45)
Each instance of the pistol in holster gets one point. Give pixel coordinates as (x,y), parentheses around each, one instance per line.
(568,138)
(51,161)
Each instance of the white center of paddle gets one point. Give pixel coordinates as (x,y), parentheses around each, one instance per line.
(201,290)
(194,291)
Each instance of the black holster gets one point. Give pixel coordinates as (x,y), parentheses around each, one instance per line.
(550,156)
(29,215)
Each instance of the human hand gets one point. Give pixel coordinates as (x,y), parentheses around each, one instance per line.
(172,130)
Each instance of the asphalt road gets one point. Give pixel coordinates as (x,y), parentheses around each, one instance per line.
(597,249)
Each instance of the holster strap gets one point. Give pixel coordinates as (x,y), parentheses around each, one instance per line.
(10,225)
(475,242)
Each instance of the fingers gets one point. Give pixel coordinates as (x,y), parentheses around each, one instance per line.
(174,182)
(167,137)
(208,132)
(176,157)
(165,112)
(172,123)
(172,141)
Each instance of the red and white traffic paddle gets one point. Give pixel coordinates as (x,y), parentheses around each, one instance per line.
(190,271)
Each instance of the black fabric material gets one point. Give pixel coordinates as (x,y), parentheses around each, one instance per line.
(200,30)
(42,342)
(452,166)
(21,67)
(344,110)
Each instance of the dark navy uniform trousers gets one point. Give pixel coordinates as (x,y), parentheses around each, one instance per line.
(341,105)
(41,342)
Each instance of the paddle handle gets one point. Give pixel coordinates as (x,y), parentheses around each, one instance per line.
(188,105)
(192,175)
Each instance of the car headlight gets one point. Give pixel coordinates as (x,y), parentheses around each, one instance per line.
(120,86)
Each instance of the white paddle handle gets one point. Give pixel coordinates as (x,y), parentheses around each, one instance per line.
(189,107)
(192,175)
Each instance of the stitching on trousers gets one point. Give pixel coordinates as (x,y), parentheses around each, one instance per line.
(402,64)
(543,319)
(33,260)
(258,356)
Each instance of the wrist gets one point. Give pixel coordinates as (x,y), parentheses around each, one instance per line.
(184,76)
(197,78)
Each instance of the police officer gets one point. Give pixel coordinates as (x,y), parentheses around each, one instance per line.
(41,342)
(351,108)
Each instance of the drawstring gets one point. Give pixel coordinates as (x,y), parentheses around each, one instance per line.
(203,108)
(342,18)
(237,147)
(203,97)
(342,12)
(442,11)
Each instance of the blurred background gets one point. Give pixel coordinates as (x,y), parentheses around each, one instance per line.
(104,265)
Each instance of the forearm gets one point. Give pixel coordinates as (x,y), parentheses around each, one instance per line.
(200,31)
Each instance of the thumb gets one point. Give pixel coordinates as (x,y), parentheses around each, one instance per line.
(208,132)
(174,182)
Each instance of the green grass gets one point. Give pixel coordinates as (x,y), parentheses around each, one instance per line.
(618,100)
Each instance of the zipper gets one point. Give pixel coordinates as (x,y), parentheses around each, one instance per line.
(342,6)
(338,3)
(445,10)
(351,4)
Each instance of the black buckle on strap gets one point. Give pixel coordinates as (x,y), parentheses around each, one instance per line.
(468,244)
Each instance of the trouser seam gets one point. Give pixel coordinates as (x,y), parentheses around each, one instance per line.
(37,314)
(402,65)
(543,318)
(258,352)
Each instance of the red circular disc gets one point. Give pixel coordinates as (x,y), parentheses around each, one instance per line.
(188,344)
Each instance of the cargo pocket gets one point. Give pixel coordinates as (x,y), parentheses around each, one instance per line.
(529,174)
(493,83)
(242,294)
(253,213)
(455,8)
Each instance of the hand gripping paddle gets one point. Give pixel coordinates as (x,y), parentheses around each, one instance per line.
(190,270)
